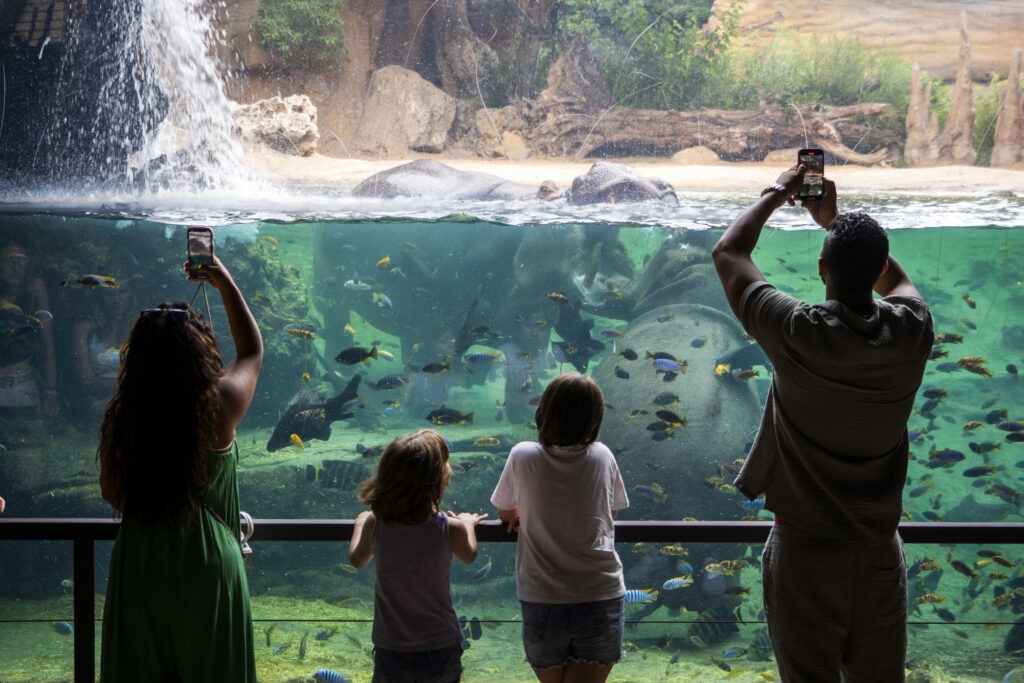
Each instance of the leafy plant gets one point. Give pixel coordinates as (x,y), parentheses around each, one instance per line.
(308,31)
(986,111)
(653,54)
(797,69)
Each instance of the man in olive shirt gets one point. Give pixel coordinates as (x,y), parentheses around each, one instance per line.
(831,452)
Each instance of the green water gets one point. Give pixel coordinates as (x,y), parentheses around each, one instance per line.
(455,281)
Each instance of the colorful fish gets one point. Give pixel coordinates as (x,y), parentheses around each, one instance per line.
(436,367)
(310,417)
(93,281)
(356,354)
(655,492)
(305,331)
(482,573)
(357,286)
(678,582)
(641,595)
(388,382)
(449,416)
(558,297)
(483,357)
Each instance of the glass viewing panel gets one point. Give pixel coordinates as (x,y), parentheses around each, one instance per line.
(454,307)
(313,611)
(473,318)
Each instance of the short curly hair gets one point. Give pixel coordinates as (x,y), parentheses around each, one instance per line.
(855,251)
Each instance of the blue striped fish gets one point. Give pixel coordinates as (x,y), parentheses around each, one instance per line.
(636,595)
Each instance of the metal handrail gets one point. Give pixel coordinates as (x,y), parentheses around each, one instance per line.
(493,531)
(84,532)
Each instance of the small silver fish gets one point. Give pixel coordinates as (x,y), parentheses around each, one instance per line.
(484,570)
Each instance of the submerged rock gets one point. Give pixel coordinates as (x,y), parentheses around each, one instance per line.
(718,413)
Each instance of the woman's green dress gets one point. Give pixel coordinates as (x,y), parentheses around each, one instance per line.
(177,606)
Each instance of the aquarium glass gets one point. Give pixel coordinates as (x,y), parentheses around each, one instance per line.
(450,311)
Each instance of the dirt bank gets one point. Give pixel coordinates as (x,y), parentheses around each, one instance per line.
(323,170)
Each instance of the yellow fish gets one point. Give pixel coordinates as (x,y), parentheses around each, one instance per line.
(384,262)
(305,377)
(93,281)
(386,355)
(271,240)
(349,330)
(297,441)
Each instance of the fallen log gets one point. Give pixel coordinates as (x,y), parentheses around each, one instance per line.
(733,135)
(574,118)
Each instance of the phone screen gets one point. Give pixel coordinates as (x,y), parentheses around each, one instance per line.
(813,187)
(200,251)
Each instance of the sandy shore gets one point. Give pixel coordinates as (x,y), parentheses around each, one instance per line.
(724,176)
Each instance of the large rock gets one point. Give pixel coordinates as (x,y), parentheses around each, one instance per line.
(1008,147)
(495,128)
(956,142)
(679,271)
(285,124)
(920,148)
(576,78)
(403,113)
(721,414)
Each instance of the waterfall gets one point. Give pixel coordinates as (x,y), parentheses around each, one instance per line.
(141,102)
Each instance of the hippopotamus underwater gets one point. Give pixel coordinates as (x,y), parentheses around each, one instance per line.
(604,182)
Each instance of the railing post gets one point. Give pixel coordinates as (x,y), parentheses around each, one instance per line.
(85,611)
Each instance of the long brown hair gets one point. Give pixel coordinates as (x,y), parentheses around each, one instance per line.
(411,477)
(570,411)
(160,423)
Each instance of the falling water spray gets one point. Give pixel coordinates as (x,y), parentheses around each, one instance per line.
(141,102)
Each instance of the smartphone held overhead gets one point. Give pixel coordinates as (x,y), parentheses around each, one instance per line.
(200,251)
(814,179)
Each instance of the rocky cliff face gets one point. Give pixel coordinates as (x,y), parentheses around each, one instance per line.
(414,33)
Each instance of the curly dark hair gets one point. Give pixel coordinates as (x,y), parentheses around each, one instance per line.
(855,251)
(411,477)
(160,423)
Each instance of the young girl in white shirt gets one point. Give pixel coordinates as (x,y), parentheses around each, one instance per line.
(561,494)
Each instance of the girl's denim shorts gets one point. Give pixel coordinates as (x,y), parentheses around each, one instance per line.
(586,632)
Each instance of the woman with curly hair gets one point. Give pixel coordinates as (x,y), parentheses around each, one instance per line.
(177,606)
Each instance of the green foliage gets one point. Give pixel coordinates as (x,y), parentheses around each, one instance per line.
(653,54)
(986,111)
(795,68)
(308,31)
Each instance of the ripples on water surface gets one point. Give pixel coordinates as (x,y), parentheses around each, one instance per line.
(696,210)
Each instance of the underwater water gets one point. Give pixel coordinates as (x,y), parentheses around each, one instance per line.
(473,312)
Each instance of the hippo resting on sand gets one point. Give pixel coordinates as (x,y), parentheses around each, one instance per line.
(432,179)
(604,182)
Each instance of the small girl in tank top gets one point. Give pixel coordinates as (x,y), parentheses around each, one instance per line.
(416,633)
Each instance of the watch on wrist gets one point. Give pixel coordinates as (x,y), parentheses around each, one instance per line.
(775,187)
